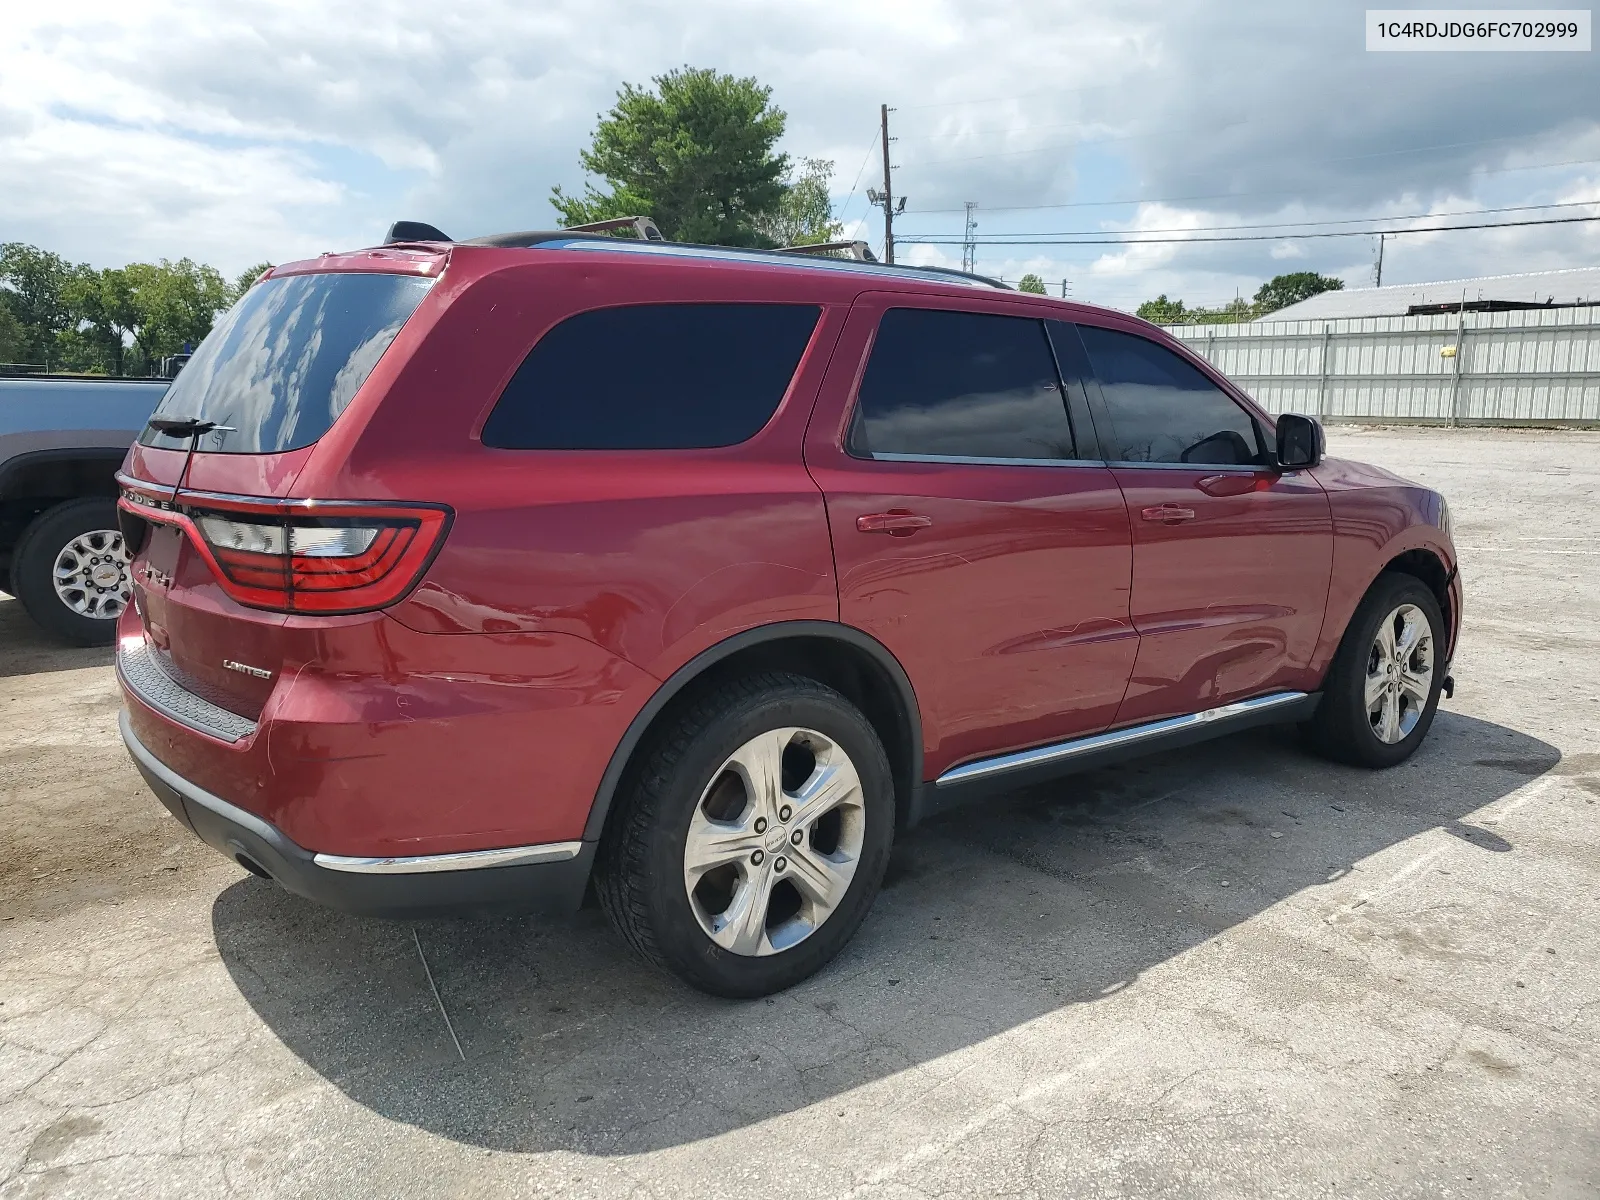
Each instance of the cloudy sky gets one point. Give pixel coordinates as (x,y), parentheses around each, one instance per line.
(234,133)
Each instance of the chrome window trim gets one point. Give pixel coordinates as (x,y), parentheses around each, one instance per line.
(467,860)
(1061,751)
(1210,468)
(975,461)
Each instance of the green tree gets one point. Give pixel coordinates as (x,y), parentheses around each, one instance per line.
(804,216)
(177,302)
(13,337)
(1031,283)
(695,153)
(247,278)
(1162,311)
(32,284)
(1233,312)
(136,314)
(1284,290)
(104,302)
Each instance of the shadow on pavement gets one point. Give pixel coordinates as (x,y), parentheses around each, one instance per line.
(990,918)
(25,649)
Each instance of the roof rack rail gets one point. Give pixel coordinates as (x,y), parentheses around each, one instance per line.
(644,227)
(957,274)
(857,250)
(420,231)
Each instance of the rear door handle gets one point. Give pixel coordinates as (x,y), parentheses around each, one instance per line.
(897,522)
(1167,514)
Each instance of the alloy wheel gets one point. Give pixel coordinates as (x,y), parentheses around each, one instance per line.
(1399,679)
(774,841)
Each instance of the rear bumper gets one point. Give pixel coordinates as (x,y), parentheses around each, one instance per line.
(549,878)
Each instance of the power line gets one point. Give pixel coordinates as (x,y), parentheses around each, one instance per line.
(1086,141)
(1086,87)
(1183,133)
(1574,162)
(1475,212)
(860,171)
(1120,240)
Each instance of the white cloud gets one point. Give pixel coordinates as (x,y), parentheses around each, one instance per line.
(236,133)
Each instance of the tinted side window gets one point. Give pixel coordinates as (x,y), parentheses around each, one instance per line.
(1162,409)
(960,384)
(653,377)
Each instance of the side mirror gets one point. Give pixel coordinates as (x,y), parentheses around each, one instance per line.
(1300,441)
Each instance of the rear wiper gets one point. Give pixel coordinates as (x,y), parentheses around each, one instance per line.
(185,427)
(182,427)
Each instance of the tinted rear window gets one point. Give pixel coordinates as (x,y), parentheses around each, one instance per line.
(287,358)
(653,377)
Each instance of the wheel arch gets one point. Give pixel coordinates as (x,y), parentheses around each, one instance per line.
(1427,566)
(36,481)
(840,656)
(64,473)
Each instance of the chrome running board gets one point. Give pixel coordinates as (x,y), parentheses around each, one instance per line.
(1063,753)
(467,860)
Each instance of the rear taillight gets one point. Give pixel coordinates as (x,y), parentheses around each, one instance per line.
(304,556)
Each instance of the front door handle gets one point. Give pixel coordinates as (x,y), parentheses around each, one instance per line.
(897,522)
(1167,514)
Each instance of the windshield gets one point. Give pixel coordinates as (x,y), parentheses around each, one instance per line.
(284,362)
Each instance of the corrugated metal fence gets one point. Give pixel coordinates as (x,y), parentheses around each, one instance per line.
(1529,366)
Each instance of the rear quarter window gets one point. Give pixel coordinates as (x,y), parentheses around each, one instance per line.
(653,377)
(284,362)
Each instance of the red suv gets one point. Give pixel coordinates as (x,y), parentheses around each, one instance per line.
(478,574)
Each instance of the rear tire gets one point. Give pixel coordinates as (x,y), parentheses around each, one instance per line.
(1383,688)
(738,889)
(71,572)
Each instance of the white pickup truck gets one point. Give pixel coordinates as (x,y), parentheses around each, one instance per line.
(61,442)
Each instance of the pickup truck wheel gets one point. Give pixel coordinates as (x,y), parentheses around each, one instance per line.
(71,571)
(754,837)
(1383,688)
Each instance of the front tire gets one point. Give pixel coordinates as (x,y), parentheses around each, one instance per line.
(1383,689)
(71,571)
(753,840)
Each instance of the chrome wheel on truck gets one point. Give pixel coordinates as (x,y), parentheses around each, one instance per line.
(91,575)
(753,836)
(71,571)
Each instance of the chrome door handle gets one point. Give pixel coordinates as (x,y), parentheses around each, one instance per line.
(1167,514)
(897,522)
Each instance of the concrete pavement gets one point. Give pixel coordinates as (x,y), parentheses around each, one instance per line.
(1228,971)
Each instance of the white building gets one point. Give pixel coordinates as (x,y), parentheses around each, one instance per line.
(1488,293)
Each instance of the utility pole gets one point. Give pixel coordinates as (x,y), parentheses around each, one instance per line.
(885,198)
(1382,237)
(1064,283)
(969,247)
